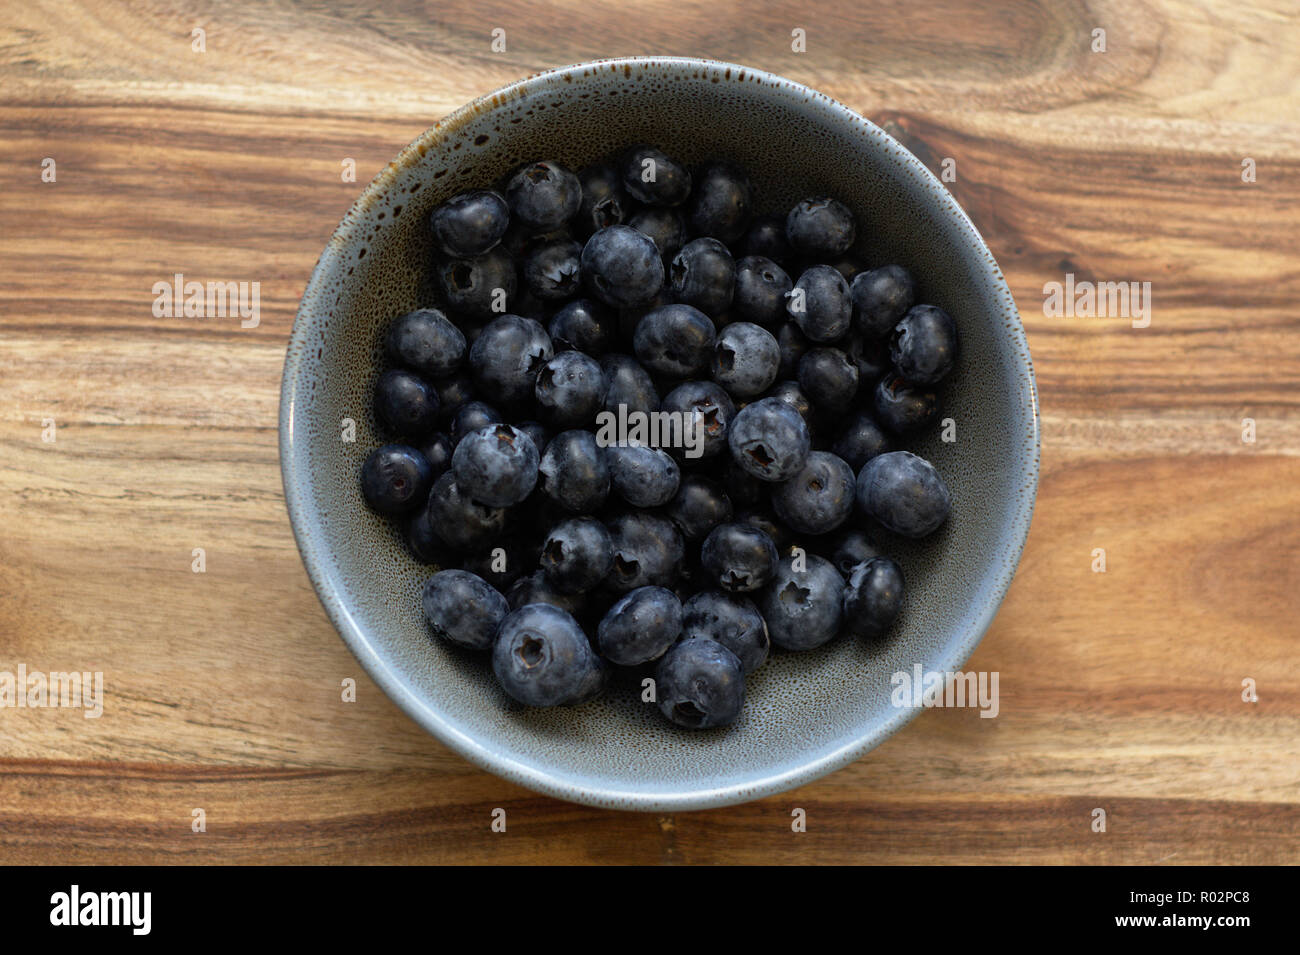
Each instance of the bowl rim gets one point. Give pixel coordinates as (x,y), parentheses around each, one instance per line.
(390,680)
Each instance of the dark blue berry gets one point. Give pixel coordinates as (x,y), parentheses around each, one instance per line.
(642,476)
(699,684)
(703,274)
(793,345)
(731,620)
(463,608)
(481,286)
(746,358)
(715,409)
(739,557)
(640,626)
(544,195)
(699,505)
(870,355)
(453,391)
(880,298)
(437,449)
(904,493)
(423,541)
(766,237)
(651,177)
(583,325)
(570,389)
(665,228)
(630,385)
(577,555)
(763,520)
(496,465)
(828,378)
(820,305)
(469,224)
(622,267)
(860,441)
(536,588)
(851,546)
(405,404)
(552,271)
(674,340)
(574,472)
(803,607)
(537,432)
(426,342)
(819,498)
(792,394)
(720,201)
(470,417)
(769,439)
(604,201)
(542,658)
(762,290)
(461,521)
(395,479)
(507,356)
(923,346)
(902,407)
(821,228)
(873,597)
(647,550)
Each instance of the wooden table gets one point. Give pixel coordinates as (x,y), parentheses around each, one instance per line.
(1120,690)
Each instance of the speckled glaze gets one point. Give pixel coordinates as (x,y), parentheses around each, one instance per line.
(805,714)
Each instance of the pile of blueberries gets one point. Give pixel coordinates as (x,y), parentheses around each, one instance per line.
(640,285)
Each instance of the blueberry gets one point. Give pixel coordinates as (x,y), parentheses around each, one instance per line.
(745,490)
(716,411)
(507,356)
(793,344)
(731,620)
(582,325)
(923,346)
(542,658)
(703,274)
(763,520)
(570,389)
(904,492)
(453,391)
(437,449)
(469,224)
(820,305)
(423,541)
(819,498)
(470,417)
(552,271)
(544,195)
(405,404)
(463,608)
(720,201)
(769,439)
(674,340)
(496,465)
(647,550)
(574,472)
(577,555)
(821,228)
(651,177)
(642,476)
(793,394)
(873,597)
(851,546)
(395,479)
(745,359)
(537,432)
(622,267)
(630,385)
(766,237)
(761,293)
(536,588)
(860,441)
(640,627)
(481,286)
(699,684)
(828,378)
(604,201)
(739,557)
(848,266)
(880,298)
(699,505)
(459,520)
(664,227)
(803,607)
(869,355)
(426,342)
(902,407)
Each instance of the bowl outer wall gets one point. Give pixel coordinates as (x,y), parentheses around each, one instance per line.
(806,714)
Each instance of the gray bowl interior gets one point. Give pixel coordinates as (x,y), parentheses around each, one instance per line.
(805,713)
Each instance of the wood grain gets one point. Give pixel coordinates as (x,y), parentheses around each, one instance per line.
(1120,690)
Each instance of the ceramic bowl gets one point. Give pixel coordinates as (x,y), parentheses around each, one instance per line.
(805,713)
